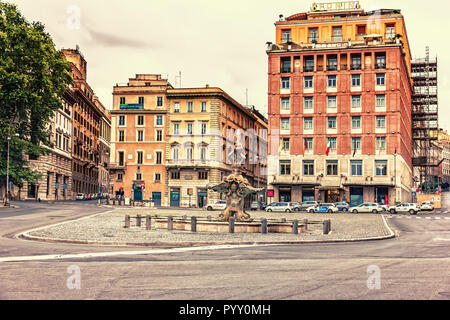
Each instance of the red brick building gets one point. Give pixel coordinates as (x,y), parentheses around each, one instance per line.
(349,90)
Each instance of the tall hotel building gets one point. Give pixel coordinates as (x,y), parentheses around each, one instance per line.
(340,106)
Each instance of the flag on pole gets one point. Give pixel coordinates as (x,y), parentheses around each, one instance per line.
(327,151)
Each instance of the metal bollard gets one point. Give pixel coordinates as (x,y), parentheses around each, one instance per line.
(231,225)
(169,223)
(127,221)
(264,226)
(329,225)
(325,227)
(194,224)
(138,220)
(148,222)
(184,217)
(295,227)
(305,222)
(209,218)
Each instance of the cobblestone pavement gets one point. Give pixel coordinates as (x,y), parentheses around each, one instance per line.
(109,227)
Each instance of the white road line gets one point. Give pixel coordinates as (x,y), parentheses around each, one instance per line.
(447,218)
(441,239)
(437,218)
(427,217)
(123,253)
(418,217)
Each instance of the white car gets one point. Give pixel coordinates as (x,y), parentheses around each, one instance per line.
(219,205)
(411,208)
(80,196)
(281,206)
(323,207)
(427,206)
(366,207)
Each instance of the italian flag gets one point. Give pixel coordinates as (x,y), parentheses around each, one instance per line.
(327,151)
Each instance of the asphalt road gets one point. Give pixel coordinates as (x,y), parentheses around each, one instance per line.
(414,265)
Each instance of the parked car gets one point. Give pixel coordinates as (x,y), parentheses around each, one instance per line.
(385,207)
(89,197)
(254,205)
(411,208)
(262,205)
(323,207)
(80,196)
(366,207)
(342,206)
(427,206)
(302,206)
(280,206)
(218,205)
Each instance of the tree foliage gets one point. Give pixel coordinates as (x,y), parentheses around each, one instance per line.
(33,78)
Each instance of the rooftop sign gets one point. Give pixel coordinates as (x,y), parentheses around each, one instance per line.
(335,6)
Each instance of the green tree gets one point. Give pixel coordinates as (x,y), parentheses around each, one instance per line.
(33,78)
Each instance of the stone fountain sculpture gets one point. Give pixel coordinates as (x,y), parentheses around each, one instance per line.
(236,188)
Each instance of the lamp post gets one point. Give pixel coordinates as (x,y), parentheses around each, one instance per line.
(7,200)
(395,173)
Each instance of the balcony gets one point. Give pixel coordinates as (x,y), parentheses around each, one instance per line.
(380,65)
(308,69)
(355,66)
(332,67)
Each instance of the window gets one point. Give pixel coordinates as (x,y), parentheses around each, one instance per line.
(157,177)
(308,103)
(309,143)
(189,154)
(308,82)
(332,64)
(159,101)
(313,35)
(140,120)
(381,143)
(203,175)
(380,79)
(159,135)
(141,100)
(307,123)
(121,136)
(140,157)
(331,81)
(159,120)
(285,144)
(175,175)
(390,31)
(380,61)
(286,36)
(122,100)
(176,128)
(121,120)
(356,122)
(120,177)
(285,167)
(158,157)
(140,135)
(380,100)
(309,65)
(332,167)
(203,128)
(285,104)
(361,30)
(189,128)
(285,83)
(333,143)
(190,106)
(356,101)
(381,167)
(121,158)
(203,153)
(285,124)
(203,106)
(176,107)
(356,143)
(356,80)
(331,122)
(138,176)
(308,167)
(331,102)
(337,34)
(381,121)
(175,153)
(356,167)
(285,65)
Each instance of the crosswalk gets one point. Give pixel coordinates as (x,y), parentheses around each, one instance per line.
(402,216)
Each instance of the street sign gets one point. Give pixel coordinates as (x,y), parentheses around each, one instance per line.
(142,185)
(36,184)
(270,193)
(190,191)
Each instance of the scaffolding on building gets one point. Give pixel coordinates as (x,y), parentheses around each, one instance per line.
(425,127)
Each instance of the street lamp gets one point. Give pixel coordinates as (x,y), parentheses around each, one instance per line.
(7,199)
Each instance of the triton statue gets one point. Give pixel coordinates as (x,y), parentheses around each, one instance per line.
(236,188)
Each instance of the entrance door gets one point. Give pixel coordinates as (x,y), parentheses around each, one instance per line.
(156,197)
(332,196)
(285,194)
(356,196)
(307,194)
(138,194)
(381,195)
(175,197)
(202,196)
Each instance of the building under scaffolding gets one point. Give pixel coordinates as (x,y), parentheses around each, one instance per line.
(427,154)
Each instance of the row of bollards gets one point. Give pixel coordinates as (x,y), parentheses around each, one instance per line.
(231,224)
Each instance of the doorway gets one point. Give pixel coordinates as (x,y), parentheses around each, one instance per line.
(202,198)
(175,197)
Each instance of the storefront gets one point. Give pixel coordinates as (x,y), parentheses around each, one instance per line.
(356,196)
(382,195)
(285,194)
(308,194)
(202,198)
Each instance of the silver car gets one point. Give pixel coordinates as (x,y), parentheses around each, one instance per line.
(411,208)
(281,207)
(367,207)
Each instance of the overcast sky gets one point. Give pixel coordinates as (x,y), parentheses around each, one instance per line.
(220,43)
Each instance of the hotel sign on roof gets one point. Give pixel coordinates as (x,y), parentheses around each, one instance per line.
(335,6)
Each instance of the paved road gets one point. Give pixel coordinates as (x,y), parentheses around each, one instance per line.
(414,265)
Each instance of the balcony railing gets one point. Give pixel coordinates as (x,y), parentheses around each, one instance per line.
(355,66)
(380,65)
(308,68)
(332,67)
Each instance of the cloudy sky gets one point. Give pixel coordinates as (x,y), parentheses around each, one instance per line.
(220,43)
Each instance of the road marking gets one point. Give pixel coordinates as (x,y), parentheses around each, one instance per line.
(427,217)
(418,217)
(447,218)
(437,218)
(441,239)
(124,253)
